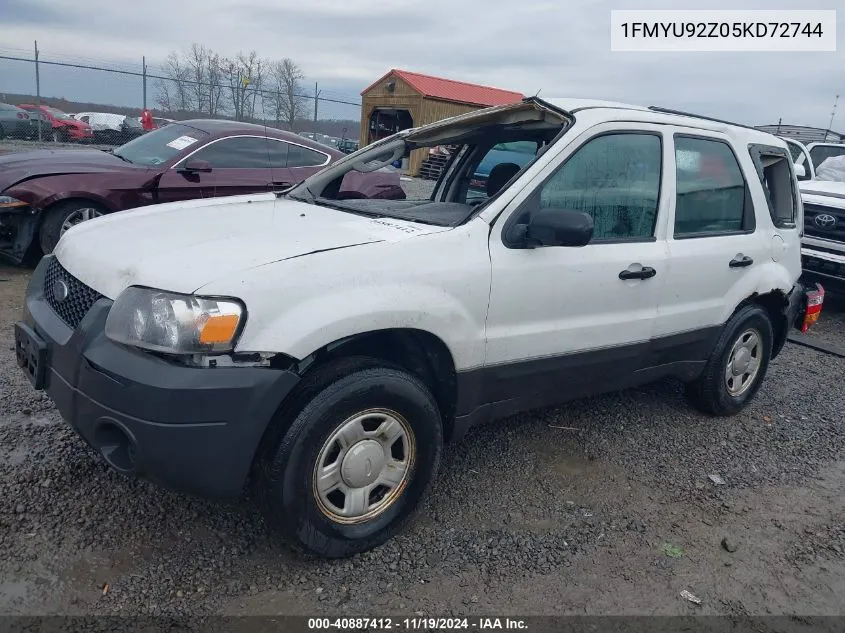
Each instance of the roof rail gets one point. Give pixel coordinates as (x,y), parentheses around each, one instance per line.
(699,116)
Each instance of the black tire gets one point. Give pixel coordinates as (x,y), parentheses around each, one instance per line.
(709,392)
(327,397)
(58,136)
(51,227)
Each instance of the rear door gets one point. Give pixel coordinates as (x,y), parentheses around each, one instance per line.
(715,244)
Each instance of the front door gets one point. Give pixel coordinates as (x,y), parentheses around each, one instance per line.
(570,321)
(239,165)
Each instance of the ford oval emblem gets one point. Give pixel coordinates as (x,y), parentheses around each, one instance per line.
(60,290)
(825,221)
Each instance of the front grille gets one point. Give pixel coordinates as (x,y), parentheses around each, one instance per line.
(78,300)
(827,229)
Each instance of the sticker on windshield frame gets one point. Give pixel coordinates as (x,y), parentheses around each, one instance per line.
(182,142)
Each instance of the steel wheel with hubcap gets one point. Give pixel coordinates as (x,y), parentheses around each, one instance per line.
(743,362)
(348,464)
(737,365)
(364,466)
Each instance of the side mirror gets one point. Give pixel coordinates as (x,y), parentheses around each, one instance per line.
(558,227)
(194,165)
(800,172)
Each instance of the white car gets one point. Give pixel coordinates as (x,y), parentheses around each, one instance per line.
(823,245)
(329,347)
(111,128)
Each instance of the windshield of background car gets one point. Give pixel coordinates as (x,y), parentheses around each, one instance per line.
(821,153)
(161,145)
(59,114)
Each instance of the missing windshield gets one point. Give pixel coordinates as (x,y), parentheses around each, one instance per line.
(445,172)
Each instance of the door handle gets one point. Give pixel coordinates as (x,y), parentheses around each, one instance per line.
(740,261)
(646,272)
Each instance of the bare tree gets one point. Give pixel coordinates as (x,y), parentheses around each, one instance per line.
(283,97)
(194,82)
(175,93)
(243,78)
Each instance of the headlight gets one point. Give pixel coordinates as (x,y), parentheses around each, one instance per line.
(174,323)
(8,202)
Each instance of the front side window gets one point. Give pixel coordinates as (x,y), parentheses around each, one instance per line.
(615,178)
(712,196)
(821,153)
(240,152)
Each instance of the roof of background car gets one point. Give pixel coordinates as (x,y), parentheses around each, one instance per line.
(223,127)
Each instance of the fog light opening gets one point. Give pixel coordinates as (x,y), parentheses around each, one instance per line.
(116,447)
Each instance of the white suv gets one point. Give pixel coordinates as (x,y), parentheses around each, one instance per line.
(329,346)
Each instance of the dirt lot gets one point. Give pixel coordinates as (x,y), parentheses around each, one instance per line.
(613,514)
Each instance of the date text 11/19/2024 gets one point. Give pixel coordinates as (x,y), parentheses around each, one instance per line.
(416,624)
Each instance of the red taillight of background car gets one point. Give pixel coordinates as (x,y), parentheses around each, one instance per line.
(815,300)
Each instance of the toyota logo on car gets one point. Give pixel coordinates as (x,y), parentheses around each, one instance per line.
(825,221)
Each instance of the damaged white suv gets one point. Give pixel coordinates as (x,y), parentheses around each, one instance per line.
(325,348)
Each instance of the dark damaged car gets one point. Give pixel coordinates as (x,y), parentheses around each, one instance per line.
(44,193)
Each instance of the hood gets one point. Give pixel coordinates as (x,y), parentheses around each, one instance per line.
(184,246)
(20,166)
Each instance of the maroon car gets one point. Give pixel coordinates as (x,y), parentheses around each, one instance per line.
(44,193)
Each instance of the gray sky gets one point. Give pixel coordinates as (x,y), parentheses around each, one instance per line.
(561,48)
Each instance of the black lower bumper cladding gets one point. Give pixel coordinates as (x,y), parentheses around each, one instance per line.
(191,429)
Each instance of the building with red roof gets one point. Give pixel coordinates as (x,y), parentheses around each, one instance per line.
(401,99)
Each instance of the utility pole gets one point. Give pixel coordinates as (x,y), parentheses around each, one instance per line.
(779,122)
(38,91)
(316,101)
(832,114)
(144,73)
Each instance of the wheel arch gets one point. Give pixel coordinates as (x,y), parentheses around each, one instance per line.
(775,302)
(419,352)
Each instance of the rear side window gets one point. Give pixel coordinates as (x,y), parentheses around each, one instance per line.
(299,156)
(712,196)
(773,168)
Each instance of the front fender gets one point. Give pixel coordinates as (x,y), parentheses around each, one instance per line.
(307,326)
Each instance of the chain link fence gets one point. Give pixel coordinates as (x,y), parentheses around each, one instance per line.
(61,98)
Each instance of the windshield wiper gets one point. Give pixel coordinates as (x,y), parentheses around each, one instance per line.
(120,157)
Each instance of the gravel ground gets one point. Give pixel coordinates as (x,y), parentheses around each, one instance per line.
(604,506)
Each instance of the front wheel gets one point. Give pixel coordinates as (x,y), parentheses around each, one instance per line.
(61,218)
(356,460)
(737,366)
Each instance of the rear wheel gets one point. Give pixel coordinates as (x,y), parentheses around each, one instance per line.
(737,366)
(62,217)
(361,452)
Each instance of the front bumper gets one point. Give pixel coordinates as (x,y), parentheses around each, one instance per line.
(191,429)
(827,268)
